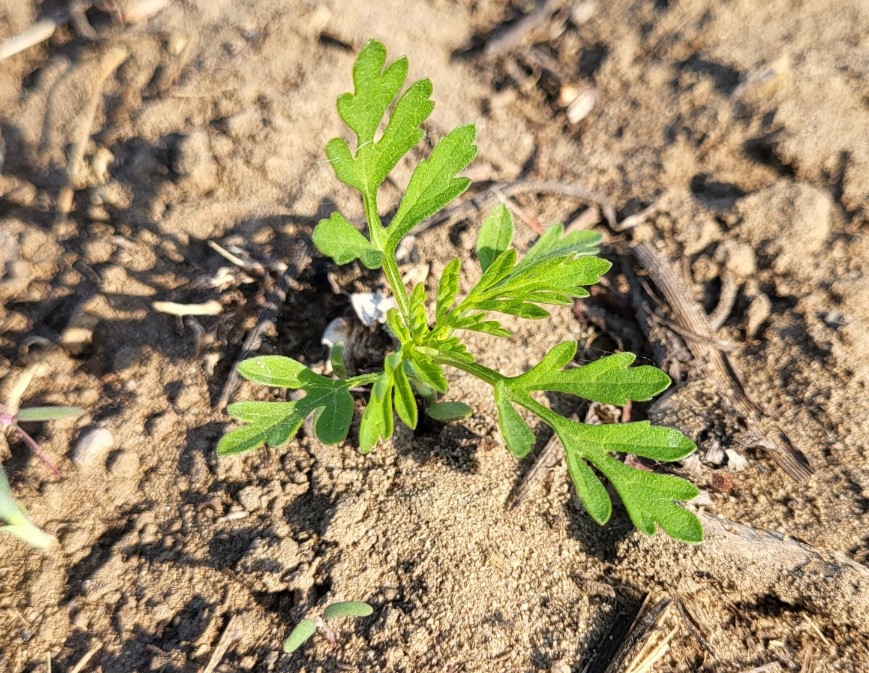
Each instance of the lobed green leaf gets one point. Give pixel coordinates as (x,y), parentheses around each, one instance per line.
(434,183)
(375,89)
(496,235)
(610,380)
(274,423)
(337,238)
(650,498)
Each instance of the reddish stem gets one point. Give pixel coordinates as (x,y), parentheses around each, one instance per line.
(35,448)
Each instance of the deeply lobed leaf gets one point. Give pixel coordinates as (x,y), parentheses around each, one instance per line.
(337,238)
(609,380)
(434,183)
(274,423)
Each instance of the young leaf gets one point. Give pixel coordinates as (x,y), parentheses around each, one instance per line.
(299,635)
(374,90)
(477,322)
(34,414)
(648,497)
(347,609)
(448,288)
(428,371)
(377,422)
(609,380)
(397,327)
(433,183)
(554,242)
(446,412)
(275,423)
(418,322)
(518,436)
(19,525)
(405,402)
(337,238)
(495,235)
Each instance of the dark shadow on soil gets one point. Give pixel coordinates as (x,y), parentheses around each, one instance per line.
(726,79)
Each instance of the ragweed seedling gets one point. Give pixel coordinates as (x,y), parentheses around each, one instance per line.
(556,270)
(307,627)
(17,523)
(35,415)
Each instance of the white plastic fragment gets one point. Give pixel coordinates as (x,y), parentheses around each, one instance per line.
(337,331)
(735,461)
(372,307)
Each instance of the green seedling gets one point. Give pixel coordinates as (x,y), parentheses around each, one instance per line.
(16,518)
(307,627)
(555,271)
(36,415)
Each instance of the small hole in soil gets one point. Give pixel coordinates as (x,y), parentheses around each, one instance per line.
(320,590)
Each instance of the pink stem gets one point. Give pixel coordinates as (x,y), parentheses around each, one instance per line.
(37,451)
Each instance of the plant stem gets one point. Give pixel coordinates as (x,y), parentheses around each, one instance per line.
(361,380)
(482,372)
(390,267)
(36,449)
(546,414)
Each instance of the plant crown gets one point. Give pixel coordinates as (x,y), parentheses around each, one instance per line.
(555,270)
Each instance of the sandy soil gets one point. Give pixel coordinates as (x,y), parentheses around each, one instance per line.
(743,124)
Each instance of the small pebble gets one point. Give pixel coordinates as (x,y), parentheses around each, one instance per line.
(92,446)
(249,498)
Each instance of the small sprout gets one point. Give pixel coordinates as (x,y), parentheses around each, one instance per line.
(299,635)
(445,412)
(556,270)
(16,518)
(36,414)
(347,609)
(307,627)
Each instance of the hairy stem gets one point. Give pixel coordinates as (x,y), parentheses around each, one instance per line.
(390,267)
(482,372)
(361,380)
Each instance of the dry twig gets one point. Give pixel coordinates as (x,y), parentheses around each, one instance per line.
(79,667)
(298,262)
(109,62)
(230,634)
(510,37)
(691,317)
(642,646)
